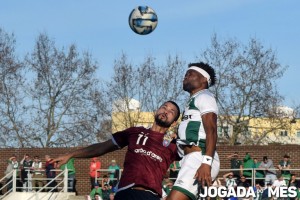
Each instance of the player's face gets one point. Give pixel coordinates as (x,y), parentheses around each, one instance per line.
(166,115)
(193,80)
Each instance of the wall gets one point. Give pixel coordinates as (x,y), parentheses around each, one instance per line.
(274,152)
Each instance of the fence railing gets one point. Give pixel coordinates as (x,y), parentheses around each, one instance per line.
(117,174)
(10,183)
(252,179)
(11,179)
(61,180)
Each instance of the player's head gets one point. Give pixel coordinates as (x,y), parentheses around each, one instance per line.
(166,114)
(198,76)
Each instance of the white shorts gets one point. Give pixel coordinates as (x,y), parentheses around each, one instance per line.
(190,163)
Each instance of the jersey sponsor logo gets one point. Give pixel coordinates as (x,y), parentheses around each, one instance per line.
(148,153)
(186,117)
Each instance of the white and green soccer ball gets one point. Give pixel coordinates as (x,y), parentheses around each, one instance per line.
(143,20)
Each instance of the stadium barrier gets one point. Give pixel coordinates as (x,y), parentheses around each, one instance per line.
(62,180)
(11,181)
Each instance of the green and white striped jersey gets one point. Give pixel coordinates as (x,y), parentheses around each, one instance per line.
(191,130)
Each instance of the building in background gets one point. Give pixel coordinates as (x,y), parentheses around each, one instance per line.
(284,129)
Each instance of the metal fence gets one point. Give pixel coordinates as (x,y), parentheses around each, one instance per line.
(12,184)
(11,179)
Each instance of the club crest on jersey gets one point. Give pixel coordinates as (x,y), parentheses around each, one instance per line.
(167,140)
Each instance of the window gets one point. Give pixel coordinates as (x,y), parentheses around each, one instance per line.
(283,133)
(223,131)
(298,133)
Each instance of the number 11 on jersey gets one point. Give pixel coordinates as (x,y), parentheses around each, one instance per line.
(140,137)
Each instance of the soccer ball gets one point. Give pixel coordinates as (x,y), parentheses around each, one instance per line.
(142,20)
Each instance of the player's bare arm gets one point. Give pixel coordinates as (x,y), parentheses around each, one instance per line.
(203,174)
(93,150)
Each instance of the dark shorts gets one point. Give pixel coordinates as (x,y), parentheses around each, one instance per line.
(131,194)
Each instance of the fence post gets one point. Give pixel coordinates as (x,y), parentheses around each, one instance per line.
(253,177)
(66,180)
(14,180)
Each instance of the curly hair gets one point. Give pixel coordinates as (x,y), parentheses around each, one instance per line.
(206,67)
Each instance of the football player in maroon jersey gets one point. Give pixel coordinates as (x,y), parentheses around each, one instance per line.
(147,159)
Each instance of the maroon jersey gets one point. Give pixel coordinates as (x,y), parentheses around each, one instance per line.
(147,159)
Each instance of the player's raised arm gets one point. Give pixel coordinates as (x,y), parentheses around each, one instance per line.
(93,150)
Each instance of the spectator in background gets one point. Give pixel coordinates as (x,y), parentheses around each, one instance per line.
(265,194)
(259,174)
(114,173)
(243,182)
(50,173)
(229,180)
(16,166)
(96,190)
(105,181)
(106,191)
(248,163)
(258,190)
(111,196)
(294,182)
(167,187)
(174,168)
(14,162)
(279,182)
(235,165)
(284,166)
(71,174)
(95,165)
(9,175)
(37,178)
(269,170)
(97,197)
(26,175)
(217,183)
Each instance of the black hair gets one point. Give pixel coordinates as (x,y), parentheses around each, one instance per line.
(97,194)
(265,158)
(178,109)
(206,67)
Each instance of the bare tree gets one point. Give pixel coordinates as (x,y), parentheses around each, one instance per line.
(246,86)
(161,82)
(11,95)
(63,91)
(148,83)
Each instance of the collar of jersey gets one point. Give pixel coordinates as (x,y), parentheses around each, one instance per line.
(197,93)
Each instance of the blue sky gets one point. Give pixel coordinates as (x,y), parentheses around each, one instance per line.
(184,28)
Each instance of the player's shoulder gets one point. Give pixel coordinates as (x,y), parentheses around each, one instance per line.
(136,129)
(205,94)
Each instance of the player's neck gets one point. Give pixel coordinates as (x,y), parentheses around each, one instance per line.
(158,128)
(198,90)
